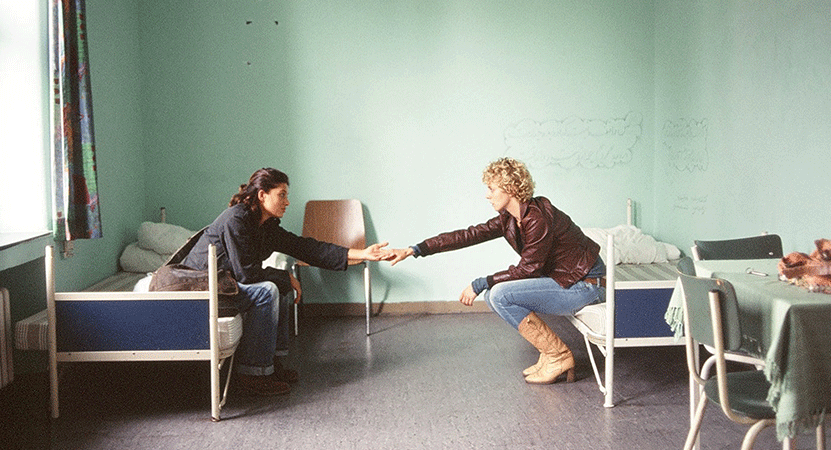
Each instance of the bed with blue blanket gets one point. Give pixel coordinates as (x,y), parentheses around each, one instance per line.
(119,320)
(640,278)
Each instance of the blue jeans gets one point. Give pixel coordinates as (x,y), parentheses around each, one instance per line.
(265,327)
(513,300)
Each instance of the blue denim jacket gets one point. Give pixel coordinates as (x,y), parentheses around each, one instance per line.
(242,244)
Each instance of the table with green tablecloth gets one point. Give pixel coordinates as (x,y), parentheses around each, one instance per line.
(786,325)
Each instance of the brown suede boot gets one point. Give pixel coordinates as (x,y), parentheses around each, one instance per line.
(554,353)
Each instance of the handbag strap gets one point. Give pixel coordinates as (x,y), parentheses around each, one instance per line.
(180,254)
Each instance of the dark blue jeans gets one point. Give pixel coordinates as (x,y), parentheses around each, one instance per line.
(265,327)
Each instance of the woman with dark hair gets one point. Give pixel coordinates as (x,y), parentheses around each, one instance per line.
(559,269)
(245,234)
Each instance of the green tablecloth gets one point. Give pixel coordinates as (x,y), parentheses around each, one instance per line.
(787,326)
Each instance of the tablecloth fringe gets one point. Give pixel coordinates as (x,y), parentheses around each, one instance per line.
(799,425)
(674,317)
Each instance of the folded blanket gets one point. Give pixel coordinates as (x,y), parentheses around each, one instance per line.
(632,246)
(162,238)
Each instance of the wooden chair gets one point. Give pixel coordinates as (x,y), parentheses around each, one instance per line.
(339,222)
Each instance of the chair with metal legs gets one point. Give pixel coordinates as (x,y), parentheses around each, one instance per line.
(711,317)
(339,222)
(763,246)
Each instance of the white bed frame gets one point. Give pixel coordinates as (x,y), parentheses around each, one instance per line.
(605,339)
(80,303)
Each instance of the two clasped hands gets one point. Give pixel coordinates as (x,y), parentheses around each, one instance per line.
(396,255)
(379,252)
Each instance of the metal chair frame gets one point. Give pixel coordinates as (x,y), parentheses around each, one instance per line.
(726,335)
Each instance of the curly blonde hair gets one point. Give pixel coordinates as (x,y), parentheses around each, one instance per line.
(511,176)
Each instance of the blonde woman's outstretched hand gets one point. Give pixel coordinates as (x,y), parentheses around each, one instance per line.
(399,254)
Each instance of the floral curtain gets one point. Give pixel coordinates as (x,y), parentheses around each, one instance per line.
(76,203)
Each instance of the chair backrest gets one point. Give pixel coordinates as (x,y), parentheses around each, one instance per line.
(686,266)
(765,246)
(337,221)
(697,308)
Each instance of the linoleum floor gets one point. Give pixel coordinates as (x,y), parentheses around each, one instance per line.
(447,381)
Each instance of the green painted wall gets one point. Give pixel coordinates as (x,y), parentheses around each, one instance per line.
(401,105)
(743,100)
(716,113)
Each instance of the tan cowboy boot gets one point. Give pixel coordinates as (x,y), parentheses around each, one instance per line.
(535,367)
(556,356)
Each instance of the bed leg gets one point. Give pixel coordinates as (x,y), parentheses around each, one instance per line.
(51,329)
(53,388)
(608,401)
(610,377)
(213,330)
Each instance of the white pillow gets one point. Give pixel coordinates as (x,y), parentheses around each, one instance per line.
(137,259)
(162,238)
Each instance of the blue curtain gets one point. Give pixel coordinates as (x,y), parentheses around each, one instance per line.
(75,182)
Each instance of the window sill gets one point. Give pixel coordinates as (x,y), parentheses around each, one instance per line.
(20,248)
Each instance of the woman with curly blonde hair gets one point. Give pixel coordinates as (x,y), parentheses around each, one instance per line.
(559,270)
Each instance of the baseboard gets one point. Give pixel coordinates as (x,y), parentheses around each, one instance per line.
(403,308)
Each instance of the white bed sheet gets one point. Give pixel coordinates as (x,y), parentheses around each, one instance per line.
(632,246)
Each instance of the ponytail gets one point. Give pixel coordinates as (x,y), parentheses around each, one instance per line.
(264,179)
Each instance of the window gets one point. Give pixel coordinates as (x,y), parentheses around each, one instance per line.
(24,118)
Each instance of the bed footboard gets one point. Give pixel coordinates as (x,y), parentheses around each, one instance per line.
(138,326)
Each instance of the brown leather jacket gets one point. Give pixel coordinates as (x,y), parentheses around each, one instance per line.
(548,242)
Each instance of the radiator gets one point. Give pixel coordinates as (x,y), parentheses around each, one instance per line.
(6,366)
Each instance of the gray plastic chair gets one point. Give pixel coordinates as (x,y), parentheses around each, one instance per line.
(764,246)
(711,317)
(686,266)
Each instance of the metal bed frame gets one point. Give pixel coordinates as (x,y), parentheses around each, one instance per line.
(637,296)
(137,326)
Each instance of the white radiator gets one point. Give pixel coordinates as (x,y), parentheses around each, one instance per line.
(6,346)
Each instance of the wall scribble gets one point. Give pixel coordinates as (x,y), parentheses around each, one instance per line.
(685,141)
(574,141)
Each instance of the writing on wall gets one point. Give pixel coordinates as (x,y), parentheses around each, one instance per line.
(574,141)
(685,141)
(691,204)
